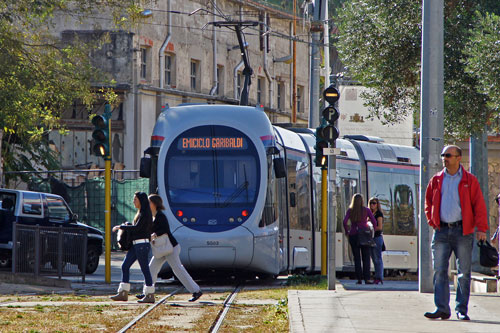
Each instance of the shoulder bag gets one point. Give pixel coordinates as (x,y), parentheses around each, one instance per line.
(488,255)
(161,246)
(365,238)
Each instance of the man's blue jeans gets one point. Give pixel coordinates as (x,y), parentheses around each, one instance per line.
(444,242)
(138,252)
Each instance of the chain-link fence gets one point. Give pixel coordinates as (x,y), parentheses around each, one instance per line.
(83,190)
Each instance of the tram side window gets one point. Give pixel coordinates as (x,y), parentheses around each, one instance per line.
(404,210)
(292,186)
(269,213)
(303,196)
(381,187)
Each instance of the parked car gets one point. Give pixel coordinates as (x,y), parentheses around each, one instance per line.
(43,209)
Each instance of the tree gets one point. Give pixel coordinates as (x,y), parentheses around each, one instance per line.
(40,77)
(483,61)
(380,41)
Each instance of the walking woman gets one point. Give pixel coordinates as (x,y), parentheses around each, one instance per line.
(140,232)
(358,214)
(376,252)
(161,227)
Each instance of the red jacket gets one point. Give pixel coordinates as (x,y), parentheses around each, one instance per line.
(474,212)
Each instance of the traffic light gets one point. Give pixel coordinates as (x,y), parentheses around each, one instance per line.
(321,160)
(101,135)
(327,132)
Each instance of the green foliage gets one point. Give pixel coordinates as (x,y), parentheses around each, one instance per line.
(41,77)
(317,281)
(483,62)
(380,44)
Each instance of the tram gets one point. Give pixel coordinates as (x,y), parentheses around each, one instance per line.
(243,196)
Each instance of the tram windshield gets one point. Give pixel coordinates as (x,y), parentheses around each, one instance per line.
(212,166)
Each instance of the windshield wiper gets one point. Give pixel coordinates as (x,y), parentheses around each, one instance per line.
(236,193)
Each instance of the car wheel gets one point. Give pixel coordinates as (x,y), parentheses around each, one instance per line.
(5,263)
(92,259)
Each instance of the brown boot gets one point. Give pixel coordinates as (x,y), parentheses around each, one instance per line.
(150,295)
(149,298)
(122,294)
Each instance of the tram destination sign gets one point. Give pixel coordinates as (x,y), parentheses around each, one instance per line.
(205,143)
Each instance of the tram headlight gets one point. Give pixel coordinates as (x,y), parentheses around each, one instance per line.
(179,213)
(193,219)
(244,213)
(184,219)
(231,219)
(240,219)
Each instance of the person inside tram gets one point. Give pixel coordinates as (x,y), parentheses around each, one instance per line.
(359,216)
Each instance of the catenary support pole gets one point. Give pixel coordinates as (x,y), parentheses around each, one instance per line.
(431,125)
(107,203)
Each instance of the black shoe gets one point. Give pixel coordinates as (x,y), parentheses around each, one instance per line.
(437,314)
(196,295)
(140,296)
(461,316)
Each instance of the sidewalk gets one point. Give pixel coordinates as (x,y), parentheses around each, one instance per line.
(393,307)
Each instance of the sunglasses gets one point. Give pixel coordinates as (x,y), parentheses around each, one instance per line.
(373,203)
(448,155)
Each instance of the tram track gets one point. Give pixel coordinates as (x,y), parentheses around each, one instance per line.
(147,311)
(225,308)
(216,324)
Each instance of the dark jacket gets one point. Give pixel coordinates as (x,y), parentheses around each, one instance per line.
(142,228)
(471,201)
(161,227)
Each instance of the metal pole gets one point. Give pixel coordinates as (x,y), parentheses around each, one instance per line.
(324,219)
(107,202)
(478,158)
(431,125)
(294,76)
(314,93)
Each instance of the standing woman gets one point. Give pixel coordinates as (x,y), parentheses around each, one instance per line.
(140,232)
(161,227)
(359,215)
(376,253)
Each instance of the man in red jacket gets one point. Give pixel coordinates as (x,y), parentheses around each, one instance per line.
(454,207)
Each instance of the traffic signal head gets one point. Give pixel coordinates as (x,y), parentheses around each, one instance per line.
(321,160)
(101,135)
(331,95)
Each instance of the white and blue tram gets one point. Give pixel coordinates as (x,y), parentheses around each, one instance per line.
(242,195)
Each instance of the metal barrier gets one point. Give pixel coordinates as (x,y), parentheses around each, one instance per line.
(83,190)
(49,251)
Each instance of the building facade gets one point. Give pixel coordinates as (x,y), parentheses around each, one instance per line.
(173,57)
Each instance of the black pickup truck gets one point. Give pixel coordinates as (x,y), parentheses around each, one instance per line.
(43,209)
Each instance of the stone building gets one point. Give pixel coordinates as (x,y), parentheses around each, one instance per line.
(178,56)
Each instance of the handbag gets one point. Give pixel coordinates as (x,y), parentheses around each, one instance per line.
(365,238)
(124,238)
(488,255)
(161,246)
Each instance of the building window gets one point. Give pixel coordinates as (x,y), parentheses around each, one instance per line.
(169,70)
(239,82)
(144,63)
(300,99)
(195,75)
(279,95)
(220,81)
(261,89)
